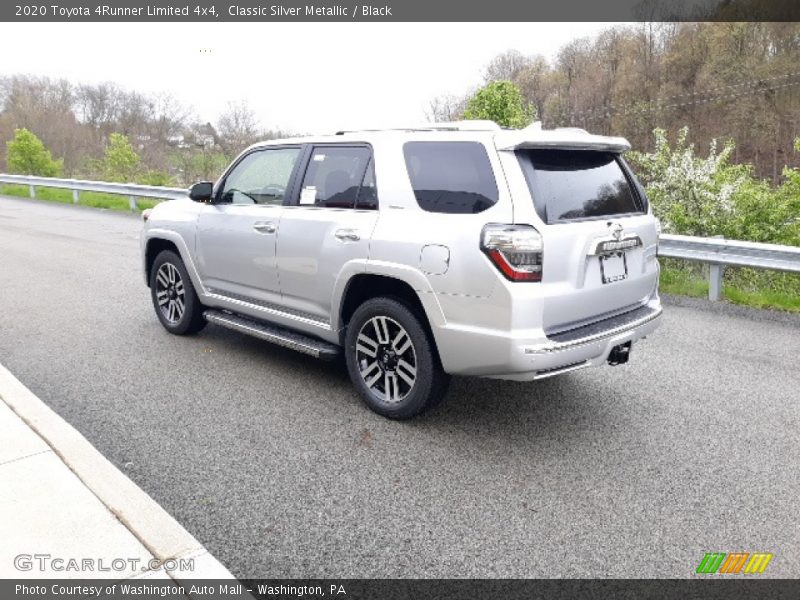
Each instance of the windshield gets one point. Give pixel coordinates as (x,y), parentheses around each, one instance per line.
(569,185)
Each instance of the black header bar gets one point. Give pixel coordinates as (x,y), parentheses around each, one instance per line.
(399,10)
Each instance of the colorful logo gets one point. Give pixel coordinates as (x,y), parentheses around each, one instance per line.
(719,562)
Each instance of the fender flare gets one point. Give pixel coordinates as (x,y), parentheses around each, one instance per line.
(183,251)
(411,276)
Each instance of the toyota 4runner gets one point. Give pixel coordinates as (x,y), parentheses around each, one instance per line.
(419,253)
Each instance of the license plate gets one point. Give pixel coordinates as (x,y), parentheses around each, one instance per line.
(613,267)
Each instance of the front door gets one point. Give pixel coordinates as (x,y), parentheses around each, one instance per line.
(236,234)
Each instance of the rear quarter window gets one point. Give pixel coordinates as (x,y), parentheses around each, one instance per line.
(569,185)
(451,177)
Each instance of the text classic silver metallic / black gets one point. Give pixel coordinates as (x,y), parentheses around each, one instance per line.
(418,253)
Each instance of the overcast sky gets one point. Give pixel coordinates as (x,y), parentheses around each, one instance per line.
(304,77)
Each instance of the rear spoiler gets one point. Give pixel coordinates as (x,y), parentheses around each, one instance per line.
(567,138)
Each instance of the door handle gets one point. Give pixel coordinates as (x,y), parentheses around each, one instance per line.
(347,235)
(265,227)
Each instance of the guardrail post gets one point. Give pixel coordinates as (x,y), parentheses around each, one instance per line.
(715,272)
(32,191)
(133,202)
(715,282)
(76,196)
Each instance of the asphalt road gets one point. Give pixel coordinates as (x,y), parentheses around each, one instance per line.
(269,458)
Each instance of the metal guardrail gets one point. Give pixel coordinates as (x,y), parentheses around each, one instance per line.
(717,252)
(131,190)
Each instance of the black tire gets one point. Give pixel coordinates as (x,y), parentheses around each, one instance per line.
(170,282)
(393,368)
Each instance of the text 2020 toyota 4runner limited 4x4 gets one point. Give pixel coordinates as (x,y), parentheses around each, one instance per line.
(457,248)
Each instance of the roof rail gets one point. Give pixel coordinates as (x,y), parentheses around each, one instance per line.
(476,125)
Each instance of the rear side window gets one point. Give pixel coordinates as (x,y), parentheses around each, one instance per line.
(570,185)
(451,177)
(368,194)
(340,177)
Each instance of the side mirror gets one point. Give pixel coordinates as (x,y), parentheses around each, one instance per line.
(201,191)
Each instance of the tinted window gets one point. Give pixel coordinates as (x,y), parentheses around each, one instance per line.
(260,177)
(451,177)
(334,176)
(368,194)
(577,184)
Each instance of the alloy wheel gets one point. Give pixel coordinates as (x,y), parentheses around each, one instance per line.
(386,359)
(170,293)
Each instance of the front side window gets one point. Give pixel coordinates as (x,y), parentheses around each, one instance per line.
(568,185)
(339,177)
(260,177)
(451,177)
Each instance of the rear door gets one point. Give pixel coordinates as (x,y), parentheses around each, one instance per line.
(599,240)
(326,227)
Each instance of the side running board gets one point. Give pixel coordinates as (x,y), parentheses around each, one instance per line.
(275,334)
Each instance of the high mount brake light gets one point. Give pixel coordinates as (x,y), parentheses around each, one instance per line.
(516,251)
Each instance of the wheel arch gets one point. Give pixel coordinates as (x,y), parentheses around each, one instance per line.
(162,239)
(154,247)
(364,286)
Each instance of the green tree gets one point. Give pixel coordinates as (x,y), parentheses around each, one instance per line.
(690,194)
(26,155)
(501,102)
(155,177)
(198,165)
(787,199)
(709,196)
(120,163)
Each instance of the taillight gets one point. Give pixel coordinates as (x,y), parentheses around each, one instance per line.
(516,251)
(146,214)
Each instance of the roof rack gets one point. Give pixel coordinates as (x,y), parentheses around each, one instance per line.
(475,125)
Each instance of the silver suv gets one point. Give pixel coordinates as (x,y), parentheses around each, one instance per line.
(418,253)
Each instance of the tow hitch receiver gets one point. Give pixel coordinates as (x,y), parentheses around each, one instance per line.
(619,355)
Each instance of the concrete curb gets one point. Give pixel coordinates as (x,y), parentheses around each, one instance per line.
(161,534)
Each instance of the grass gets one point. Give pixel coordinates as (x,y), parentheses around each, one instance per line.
(95,199)
(771,290)
(683,283)
(763,299)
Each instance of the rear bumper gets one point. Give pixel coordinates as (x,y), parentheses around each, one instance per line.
(529,357)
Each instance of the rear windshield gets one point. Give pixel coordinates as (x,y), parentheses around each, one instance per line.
(569,185)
